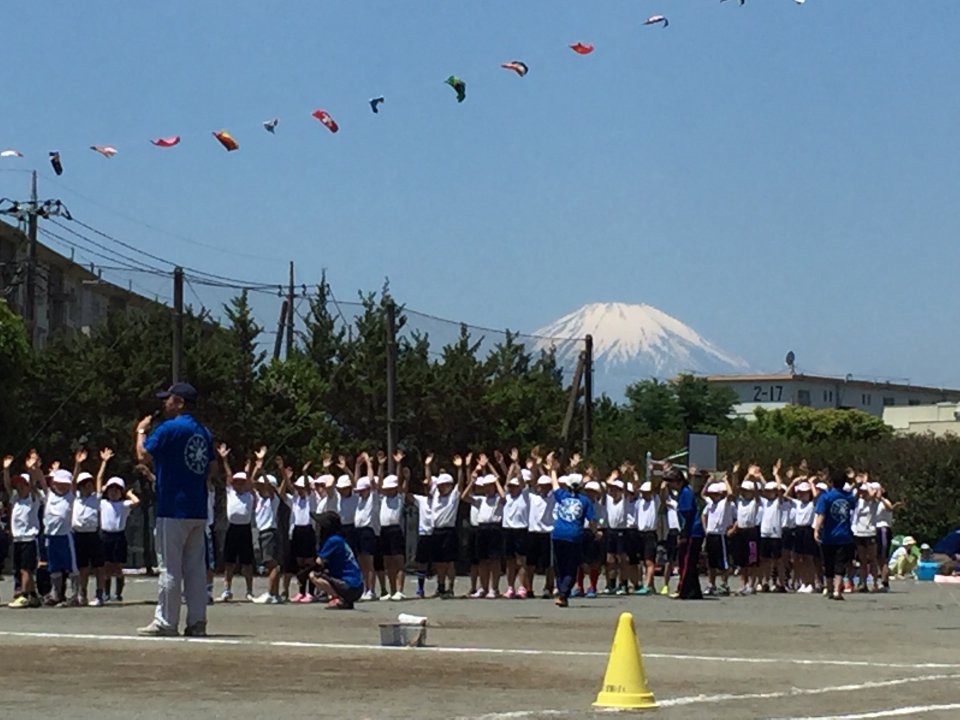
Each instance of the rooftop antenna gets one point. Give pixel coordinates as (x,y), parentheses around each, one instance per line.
(792,362)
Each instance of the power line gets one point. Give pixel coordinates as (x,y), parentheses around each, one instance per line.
(135,261)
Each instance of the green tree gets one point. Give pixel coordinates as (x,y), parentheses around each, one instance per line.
(14,358)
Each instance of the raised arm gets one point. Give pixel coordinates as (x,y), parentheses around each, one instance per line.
(7,486)
(224,452)
(105,456)
(79,458)
(552,464)
(258,457)
(37,478)
(132,497)
(140,437)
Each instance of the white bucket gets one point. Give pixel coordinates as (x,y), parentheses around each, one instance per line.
(397,635)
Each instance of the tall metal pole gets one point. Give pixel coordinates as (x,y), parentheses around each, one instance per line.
(278,343)
(391,322)
(290,316)
(30,309)
(177,324)
(587,394)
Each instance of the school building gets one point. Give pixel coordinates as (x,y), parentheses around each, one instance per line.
(776,391)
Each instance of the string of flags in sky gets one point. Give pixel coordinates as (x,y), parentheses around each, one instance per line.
(230,144)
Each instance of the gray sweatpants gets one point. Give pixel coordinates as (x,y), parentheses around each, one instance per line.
(183,570)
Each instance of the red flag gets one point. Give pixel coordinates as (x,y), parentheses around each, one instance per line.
(582,49)
(324,117)
(167,142)
(226,140)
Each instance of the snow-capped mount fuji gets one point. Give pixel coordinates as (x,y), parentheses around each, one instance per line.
(635,342)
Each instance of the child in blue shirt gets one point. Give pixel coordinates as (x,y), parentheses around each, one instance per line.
(572,510)
(339,573)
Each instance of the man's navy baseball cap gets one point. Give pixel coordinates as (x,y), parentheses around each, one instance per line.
(185,390)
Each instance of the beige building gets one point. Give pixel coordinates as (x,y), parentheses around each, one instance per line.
(776,391)
(939,419)
(69,297)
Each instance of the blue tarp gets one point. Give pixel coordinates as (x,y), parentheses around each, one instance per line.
(949,545)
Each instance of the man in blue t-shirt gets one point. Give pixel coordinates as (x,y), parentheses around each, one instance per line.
(339,573)
(181,449)
(690,541)
(573,516)
(832,528)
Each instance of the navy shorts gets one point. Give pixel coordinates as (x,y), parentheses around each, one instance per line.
(367,540)
(60,554)
(489,542)
(515,541)
(803,542)
(616,540)
(444,545)
(115,547)
(424,555)
(238,545)
(539,551)
(647,548)
(391,541)
(717,557)
(671,546)
(24,557)
(89,549)
(593,549)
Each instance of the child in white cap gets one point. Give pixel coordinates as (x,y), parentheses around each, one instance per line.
(424,552)
(648,517)
(268,532)
(516,518)
(57,516)
(367,521)
(26,499)
(488,501)
(85,523)
(392,543)
(746,533)
(539,526)
(115,508)
(718,518)
(593,543)
(445,544)
(771,534)
(802,495)
(238,543)
(303,539)
(615,535)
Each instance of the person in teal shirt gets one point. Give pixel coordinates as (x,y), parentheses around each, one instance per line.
(338,574)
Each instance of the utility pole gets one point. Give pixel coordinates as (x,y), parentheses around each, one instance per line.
(30,308)
(177,324)
(391,329)
(290,314)
(27,214)
(587,394)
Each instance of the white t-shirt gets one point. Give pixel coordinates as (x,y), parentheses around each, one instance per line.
(25,517)
(424,515)
(240,506)
(542,508)
(616,512)
(328,503)
(489,509)
(864,519)
(516,510)
(746,512)
(114,514)
(368,511)
(770,519)
(57,513)
(805,512)
(301,509)
(647,512)
(884,515)
(348,508)
(631,513)
(391,510)
(474,514)
(788,514)
(720,516)
(443,508)
(673,518)
(599,513)
(86,513)
(266,512)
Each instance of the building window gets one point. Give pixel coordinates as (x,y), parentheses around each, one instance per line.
(913,402)
(865,399)
(803,397)
(889,401)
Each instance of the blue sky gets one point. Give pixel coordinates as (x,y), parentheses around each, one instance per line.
(777,176)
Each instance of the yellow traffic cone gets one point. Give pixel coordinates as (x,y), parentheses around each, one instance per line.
(625,683)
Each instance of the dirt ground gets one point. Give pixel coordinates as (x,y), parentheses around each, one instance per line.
(770,656)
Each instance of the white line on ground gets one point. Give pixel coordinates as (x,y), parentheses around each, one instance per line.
(796,692)
(477,650)
(892,712)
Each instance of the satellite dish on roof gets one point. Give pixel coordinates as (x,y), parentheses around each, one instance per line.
(791,361)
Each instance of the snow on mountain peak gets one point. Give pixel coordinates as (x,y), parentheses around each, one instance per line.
(636,342)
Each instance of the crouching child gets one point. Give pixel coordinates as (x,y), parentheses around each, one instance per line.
(338,572)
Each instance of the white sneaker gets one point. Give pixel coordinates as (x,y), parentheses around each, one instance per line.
(226,596)
(96,602)
(367,596)
(385,596)
(806,589)
(273,600)
(154,629)
(398,596)
(249,597)
(262,599)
